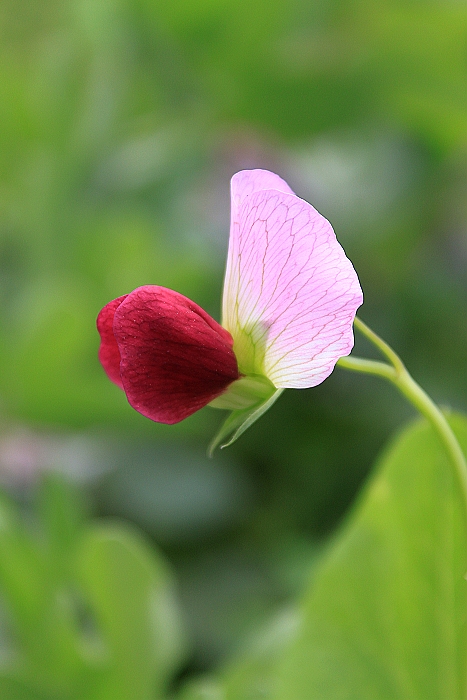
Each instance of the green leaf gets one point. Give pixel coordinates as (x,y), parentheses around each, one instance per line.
(251,675)
(203,689)
(130,593)
(12,689)
(385,618)
(239,421)
(23,575)
(61,511)
(41,644)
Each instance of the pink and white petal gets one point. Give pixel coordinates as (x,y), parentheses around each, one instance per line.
(290,293)
(242,185)
(246,182)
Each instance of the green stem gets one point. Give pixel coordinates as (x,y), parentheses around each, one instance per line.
(382,346)
(358,364)
(397,373)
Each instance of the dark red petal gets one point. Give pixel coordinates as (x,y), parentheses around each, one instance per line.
(175,358)
(109,354)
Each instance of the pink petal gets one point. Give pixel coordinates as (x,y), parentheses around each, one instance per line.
(290,293)
(246,182)
(109,354)
(175,358)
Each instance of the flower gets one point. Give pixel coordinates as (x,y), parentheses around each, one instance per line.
(290,298)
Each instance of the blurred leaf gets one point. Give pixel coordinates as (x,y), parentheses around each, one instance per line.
(89,611)
(130,595)
(385,618)
(42,650)
(203,689)
(62,514)
(22,573)
(254,673)
(11,689)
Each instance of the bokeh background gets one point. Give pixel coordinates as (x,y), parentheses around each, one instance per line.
(121,123)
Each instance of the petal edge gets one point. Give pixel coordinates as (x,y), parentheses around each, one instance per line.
(109,354)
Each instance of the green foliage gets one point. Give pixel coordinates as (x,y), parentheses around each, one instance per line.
(90,607)
(130,591)
(90,611)
(385,616)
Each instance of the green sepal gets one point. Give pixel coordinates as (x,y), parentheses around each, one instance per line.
(239,421)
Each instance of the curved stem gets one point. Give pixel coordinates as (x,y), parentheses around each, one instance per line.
(382,346)
(397,373)
(358,364)
(420,399)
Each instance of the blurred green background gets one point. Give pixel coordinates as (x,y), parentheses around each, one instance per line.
(121,123)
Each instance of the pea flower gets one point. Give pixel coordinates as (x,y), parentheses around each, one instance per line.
(290,298)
